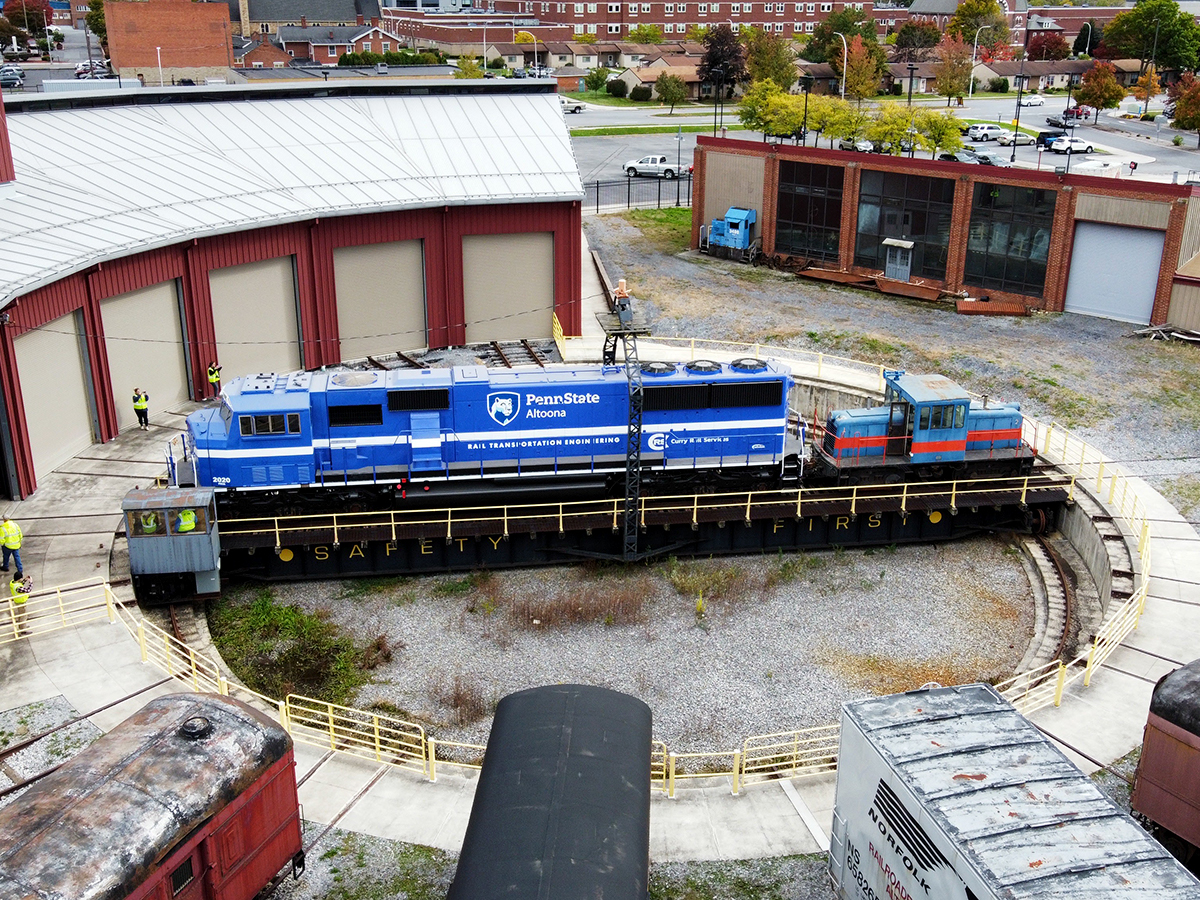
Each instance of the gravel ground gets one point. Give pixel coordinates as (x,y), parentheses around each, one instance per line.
(832,626)
(22,722)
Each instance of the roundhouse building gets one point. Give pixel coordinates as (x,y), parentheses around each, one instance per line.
(145,234)
(1118,248)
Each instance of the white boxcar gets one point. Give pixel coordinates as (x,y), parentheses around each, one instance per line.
(951,793)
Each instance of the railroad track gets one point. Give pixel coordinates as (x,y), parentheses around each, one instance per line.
(1053,627)
(402,361)
(516,353)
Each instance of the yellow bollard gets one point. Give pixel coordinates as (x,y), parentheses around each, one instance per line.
(737,771)
(1099,477)
(432,760)
(142,638)
(671,776)
(1087,672)
(1060,684)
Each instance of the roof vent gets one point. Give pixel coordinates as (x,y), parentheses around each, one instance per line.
(703,366)
(657,368)
(749,364)
(195,728)
(354,379)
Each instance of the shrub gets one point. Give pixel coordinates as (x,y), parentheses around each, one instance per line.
(496,63)
(997,85)
(897,89)
(1177,140)
(618,88)
(642,93)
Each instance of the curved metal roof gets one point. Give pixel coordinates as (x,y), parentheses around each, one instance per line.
(100,183)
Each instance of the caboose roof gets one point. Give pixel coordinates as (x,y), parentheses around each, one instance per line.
(929,388)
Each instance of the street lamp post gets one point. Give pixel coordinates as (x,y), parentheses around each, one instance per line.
(971,78)
(912,67)
(717,73)
(1017,121)
(845,60)
(158,50)
(1087,47)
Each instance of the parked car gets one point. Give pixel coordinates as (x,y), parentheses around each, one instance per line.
(1071,145)
(1008,138)
(11,80)
(90,67)
(659,166)
(14,68)
(992,158)
(962,156)
(1058,120)
(570,106)
(1046,138)
(1033,100)
(858,145)
(984,132)
(1078,112)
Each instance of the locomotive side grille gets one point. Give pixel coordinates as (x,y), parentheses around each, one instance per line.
(358,414)
(747,393)
(675,397)
(414,401)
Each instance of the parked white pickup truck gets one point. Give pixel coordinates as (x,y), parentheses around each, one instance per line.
(651,165)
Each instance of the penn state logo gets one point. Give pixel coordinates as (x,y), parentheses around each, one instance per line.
(503,406)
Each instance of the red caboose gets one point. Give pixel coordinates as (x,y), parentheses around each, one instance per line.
(191,798)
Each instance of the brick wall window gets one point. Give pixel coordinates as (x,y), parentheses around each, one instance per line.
(809,218)
(1009,238)
(911,208)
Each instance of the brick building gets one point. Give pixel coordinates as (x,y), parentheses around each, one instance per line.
(1122,249)
(268,16)
(325,44)
(180,38)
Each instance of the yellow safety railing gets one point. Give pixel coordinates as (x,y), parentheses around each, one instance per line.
(790,754)
(53,609)
(365,734)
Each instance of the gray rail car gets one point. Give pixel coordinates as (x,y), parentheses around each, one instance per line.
(950,793)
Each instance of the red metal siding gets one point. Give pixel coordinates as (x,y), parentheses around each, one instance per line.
(1167,789)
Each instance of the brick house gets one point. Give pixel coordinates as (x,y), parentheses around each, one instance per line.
(325,44)
(268,16)
(259,53)
(648,75)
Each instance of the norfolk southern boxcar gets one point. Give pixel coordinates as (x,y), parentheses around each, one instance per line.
(191,798)
(927,427)
(376,434)
(562,808)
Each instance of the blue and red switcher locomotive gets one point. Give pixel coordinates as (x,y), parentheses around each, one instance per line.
(193,797)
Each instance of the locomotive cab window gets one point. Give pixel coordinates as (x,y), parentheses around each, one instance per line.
(182,877)
(960,415)
(275,423)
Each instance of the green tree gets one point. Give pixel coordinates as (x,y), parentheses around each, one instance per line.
(753,111)
(915,41)
(671,89)
(1100,89)
(891,125)
(582,37)
(10,32)
(29,15)
(523,37)
(645,34)
(1131,35)
(863,70)
(724,60)
(1048,45)
(769,57)
(953,70)
(95,20)
(824,45)
(823,112)
(972,15)
(937,131)
(696,34)
(848,120)
(596,79)
(469,67)
(1088,39)
(1187,109)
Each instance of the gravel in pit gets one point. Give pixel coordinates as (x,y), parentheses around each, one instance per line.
(720,649)
(20,723)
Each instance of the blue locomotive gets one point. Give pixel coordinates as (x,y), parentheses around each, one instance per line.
(928,426)
(378,435)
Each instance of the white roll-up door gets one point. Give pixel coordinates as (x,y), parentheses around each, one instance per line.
(1114,271)
(508,286)
(255,317)
(144,340)
(54,389)
(380,298)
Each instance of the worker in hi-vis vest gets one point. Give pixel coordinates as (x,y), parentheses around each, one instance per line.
(10,540)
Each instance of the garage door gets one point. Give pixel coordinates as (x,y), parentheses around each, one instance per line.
(255,316)
(380,298)
(1114,271)
(58,411)
(508,286)
(144,341)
